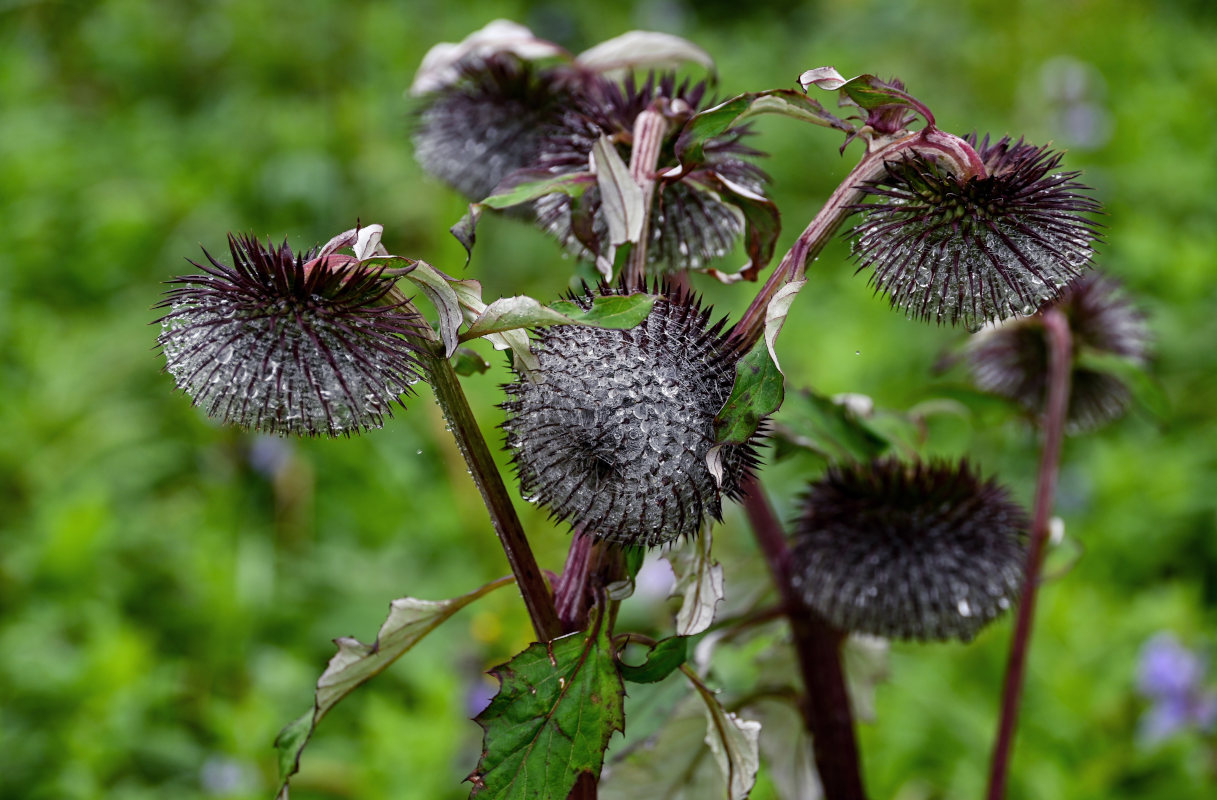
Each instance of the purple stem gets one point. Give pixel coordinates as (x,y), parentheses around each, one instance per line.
(1060,363)
(827,713)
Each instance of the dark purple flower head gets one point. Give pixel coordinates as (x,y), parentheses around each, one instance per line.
(1011,360)
(285,343)
(909,551)
(971,250)
(691,223)
(612,431)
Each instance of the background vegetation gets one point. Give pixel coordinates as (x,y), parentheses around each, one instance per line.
(168,589)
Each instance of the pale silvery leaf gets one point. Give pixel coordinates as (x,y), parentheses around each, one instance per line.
(620,196)
(735,744)
(775,315)
(469,294)
(437,287)
(699,584)
(670,763)
(786,750)
(646,49)
(441,65)
(826,78)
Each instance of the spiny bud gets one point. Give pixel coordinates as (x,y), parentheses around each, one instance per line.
(286,343)
(970,250)
(1012,360)
(612,430)
(909,551)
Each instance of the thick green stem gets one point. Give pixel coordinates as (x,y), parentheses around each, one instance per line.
(1060,367)
(490,484)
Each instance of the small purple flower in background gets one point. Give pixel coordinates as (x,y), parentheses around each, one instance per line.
(1172,677)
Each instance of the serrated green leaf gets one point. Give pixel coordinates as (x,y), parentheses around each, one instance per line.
(355,663)
(713,122)
(558,705)
(511,313)
(814,422)
(757,393)
(467,361)
(662,660)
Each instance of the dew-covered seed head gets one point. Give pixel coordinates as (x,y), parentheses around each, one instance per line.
(909,551)
(969,250)
(611,432)
(285,343)
(1011,360)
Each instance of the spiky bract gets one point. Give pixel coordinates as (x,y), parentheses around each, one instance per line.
(909,551)
(612,430)
(282,343)
(691,223)
(1012,360)
(971,250)
(474,132)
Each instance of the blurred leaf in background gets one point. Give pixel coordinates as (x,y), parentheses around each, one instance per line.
(169,590)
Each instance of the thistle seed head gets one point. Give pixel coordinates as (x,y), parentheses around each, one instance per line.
(973,250)
(611,432)
(909,551)
(1012,360)
(285,343)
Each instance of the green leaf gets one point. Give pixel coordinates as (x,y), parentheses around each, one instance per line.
(355,663)
(437,287)
(467,361)
(510,313)
(469,293)
(621,198)
(558,705)
(864,91)
(699,584)
(814,422)
(662,660)
(757,393)
(706,125)
(528,185)
(762,222)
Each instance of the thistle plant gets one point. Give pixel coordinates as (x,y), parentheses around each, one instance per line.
(634,416)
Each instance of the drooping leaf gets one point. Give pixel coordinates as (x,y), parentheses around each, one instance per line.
(865,91)
(716,121)
(735,744)
(510,313)
(355,663)
(469,293)
(467,361)
(558,705)
(662,660)
(762,223)
(775,315)
(757,393)
(621,199)
(816,423)
(699,584)
(786,749)
(437,287)
(643,50)
(672,761)
(522,186)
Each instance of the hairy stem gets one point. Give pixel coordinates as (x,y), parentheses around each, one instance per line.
(1060,362)
(827,714)
(490,484)
(960,156)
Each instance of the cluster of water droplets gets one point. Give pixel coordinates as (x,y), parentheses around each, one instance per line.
(909,552)
(285,369)
(612,432)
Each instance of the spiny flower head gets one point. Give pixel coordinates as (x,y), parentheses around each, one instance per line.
(975,249)
(611,432)
(691,223)
(1012,360)
(289,343)
(909,550)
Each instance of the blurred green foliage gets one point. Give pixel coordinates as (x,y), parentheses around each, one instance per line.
(168,589)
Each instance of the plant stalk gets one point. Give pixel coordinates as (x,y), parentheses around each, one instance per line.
(650,128)
(485,472)
(827,714)
(1060,364)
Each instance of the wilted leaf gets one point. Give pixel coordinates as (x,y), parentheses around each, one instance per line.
(558,705)
(775,315)
(762,223)
(436,286)
(643,49)
(662,660)
(786,749)
(712,122)
(699,584)
(509,313)
(355,662)
(621,197)
(757,393)
(734,742)
(814,422)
